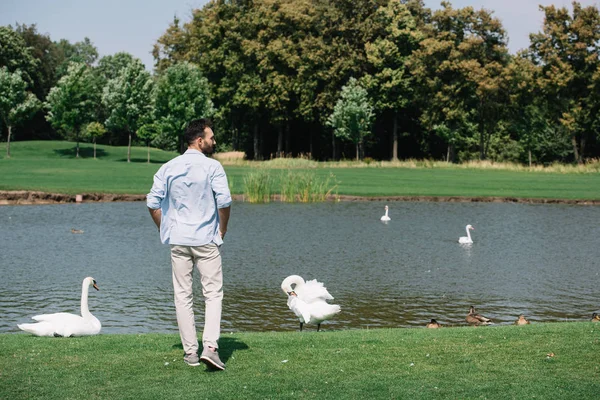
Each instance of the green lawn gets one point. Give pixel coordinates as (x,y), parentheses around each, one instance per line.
(451,363)
(50,166)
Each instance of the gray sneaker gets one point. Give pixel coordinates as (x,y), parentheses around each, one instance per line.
(191,359)
(211,359)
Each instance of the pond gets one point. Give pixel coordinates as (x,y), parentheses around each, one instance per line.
(537,260)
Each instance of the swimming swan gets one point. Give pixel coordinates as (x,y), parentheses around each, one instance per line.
(308,300)
(386,216)
(466,239)
(65,324)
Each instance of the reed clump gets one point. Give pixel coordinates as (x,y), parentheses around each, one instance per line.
(258,186)
(291,185)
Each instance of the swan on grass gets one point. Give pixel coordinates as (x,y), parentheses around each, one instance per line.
(308,300)
(386,217)
(65,324)
(466,239)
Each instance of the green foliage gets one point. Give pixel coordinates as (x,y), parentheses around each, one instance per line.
(182,95)
(129,97)
(73,102)
(353,115)
(16,103)
(15,55)
(93,131)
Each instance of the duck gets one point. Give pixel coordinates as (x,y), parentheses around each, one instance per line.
(73,230)
(433,324)
(65,324)
(308,300)
(522,320)
(476,319)
(386,217)
(466,239)
(595,317)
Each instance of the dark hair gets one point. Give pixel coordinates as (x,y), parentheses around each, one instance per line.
(195,129)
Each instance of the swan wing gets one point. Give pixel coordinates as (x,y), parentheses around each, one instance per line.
(321,311)
(313,290)
(38,329)
(300,308)
(464,239)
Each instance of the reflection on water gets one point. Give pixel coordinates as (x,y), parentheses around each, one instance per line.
(537,260)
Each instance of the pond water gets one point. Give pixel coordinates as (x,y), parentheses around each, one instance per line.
(537,260)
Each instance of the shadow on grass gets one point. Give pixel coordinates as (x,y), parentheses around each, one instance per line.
(227,346)
(84,152)
(142,160)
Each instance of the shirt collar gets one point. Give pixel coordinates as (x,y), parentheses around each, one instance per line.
(193,151)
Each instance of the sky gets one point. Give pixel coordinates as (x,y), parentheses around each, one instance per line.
(134,26)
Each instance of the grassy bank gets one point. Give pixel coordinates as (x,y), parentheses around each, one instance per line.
(51,167)
(557,360)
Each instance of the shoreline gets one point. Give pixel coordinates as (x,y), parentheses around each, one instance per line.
(30,197)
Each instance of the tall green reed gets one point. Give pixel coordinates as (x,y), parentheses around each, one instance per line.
(303,186)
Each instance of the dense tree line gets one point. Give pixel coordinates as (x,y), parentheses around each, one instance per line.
(384,79)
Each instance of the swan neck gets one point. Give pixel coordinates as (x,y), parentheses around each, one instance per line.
(468,234)
(85,288)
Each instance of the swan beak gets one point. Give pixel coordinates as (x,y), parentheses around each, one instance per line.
(292,293)
(95,286)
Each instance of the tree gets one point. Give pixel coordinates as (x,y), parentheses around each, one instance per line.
(458,70)
(129,99)
(16,55)
(73,102)
(353,115)
(182,95)
(79,52)
(388,79)
(16,103)
(148,133)
(93,131)
(568,52)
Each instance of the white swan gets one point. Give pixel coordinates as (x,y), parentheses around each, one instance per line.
(466,239)
(386,217)
(65,324)
(308,300)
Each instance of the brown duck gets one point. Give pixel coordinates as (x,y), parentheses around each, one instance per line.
(522,320)
(475,319)
(434,324)
(595,317)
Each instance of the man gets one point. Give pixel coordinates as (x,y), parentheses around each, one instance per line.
(190,204)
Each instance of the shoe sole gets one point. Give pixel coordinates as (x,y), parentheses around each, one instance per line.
(210,363)
(192,364)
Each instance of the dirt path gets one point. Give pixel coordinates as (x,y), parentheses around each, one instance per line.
(34,197)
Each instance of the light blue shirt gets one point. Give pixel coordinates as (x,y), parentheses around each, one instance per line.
(189,190)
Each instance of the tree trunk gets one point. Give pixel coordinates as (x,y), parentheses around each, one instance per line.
(310,144)
(529,158)
(129,149)
(288,137)
(575,149)
(256,149)
(395,138)
(581,150)
(148,145)
(357,158)
(94,148)
(280,142)
(333,146)
(77,151)
(8,142)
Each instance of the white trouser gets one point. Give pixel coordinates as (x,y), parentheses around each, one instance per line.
(207,259)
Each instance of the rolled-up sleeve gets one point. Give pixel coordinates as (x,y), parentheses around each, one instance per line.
(220,187)
(157,193)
